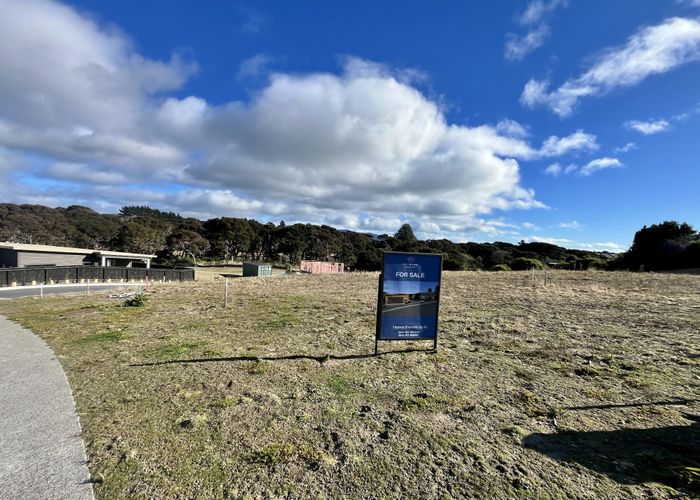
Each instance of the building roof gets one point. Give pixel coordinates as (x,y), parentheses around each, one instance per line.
(23,247)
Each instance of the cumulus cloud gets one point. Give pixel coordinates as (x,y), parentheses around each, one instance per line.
(649,127)
(363,148)
(77,91)
(599,164)
(361,137)
(652,50)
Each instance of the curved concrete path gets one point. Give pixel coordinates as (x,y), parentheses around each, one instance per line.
(41,450)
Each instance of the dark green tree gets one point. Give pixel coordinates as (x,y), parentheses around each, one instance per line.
(661,246)
(184,242)
(228,237)
(404,240)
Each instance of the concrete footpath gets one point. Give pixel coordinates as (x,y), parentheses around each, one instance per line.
(16,292)
(42,455)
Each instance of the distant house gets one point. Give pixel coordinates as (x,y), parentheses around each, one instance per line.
(396,298)
(23,255)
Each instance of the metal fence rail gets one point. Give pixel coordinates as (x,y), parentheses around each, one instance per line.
(18,276)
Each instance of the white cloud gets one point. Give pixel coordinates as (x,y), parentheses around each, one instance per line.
(652,50)
(254,66)
(607,246)
(537,9)
(649,127)
(78,92)
(599,164)
(554,170)
(254,22)
(65,69)
(85,174)
(630,146)
(530,226)
(511,128)
(182,114)
(570,169)
(518,46)
(571,225)
(99,121)
(578,141)
(535,19)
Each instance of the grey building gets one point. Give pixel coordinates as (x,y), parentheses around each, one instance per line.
(23,255)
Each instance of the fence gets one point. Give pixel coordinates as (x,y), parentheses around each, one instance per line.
(16,276)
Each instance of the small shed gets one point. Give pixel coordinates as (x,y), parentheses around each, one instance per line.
(257,269)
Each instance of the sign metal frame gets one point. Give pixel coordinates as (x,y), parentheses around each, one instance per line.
(380,306)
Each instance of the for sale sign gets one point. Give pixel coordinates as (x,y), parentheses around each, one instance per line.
(409,296)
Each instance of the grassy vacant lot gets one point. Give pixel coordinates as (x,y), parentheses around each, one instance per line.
(585,388)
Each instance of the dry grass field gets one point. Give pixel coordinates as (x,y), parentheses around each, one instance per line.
(588,387)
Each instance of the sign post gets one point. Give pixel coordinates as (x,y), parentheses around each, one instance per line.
(409,297)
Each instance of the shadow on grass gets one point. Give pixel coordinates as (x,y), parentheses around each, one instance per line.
(290,357)
(611,406)
(629,456)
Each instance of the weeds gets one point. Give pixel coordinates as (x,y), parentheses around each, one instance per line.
(274,454)
(138,300)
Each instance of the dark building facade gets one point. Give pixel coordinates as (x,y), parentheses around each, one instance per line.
(23,255)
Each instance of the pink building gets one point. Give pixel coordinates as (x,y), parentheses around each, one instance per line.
(316,267)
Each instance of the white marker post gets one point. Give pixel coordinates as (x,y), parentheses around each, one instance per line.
(88,287)
(225,293)
(41,290)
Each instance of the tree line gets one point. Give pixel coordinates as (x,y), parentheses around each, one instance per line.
(179,240)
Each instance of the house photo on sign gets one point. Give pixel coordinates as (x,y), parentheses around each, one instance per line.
(409,296)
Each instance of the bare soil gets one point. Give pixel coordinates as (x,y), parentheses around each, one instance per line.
(587,387)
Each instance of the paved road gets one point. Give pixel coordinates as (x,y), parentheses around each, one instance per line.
(411,309)
(41,450)
(35,291)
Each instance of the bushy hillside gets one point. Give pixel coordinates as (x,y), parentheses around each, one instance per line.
(175,238)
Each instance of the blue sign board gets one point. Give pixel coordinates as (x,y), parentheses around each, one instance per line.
(409,296)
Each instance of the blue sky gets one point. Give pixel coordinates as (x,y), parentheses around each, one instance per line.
(573,122)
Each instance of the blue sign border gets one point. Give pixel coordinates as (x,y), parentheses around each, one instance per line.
(422,327)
